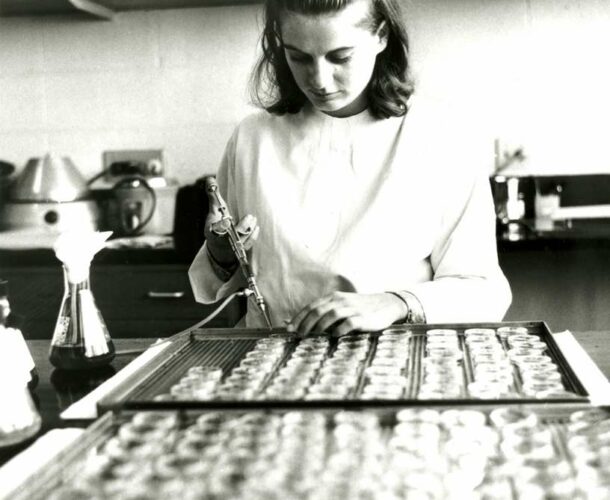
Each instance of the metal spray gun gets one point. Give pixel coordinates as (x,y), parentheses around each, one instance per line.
(225,226)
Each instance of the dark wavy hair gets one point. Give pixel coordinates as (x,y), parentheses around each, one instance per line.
(273,86)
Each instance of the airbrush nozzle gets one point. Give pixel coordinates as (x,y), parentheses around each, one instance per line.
(258,298)
(263,309)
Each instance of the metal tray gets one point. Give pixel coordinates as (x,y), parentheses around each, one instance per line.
(211,454)
(225,349)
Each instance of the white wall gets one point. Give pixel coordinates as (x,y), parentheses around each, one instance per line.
(532,72)
(166,79)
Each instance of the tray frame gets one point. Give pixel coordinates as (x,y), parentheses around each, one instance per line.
(121,396)
(38,482)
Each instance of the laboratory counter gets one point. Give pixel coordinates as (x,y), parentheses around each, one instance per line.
(21,247)
(559,273)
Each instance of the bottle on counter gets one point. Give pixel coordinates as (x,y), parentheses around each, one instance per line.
(12,342)
(19,419)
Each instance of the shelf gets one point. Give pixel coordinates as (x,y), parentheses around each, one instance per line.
(103,9)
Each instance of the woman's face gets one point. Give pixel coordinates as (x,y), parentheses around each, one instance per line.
(332,56)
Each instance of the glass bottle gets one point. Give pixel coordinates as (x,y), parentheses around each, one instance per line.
(19,419)
(12,341)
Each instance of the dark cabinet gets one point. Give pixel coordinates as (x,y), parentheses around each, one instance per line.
(151,300)
(568,288)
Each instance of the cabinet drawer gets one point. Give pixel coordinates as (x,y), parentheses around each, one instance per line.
(145,292)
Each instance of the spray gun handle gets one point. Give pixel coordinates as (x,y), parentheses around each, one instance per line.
(225,225)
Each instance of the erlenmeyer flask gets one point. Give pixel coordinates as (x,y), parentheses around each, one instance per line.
(81,339)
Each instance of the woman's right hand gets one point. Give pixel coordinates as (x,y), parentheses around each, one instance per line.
(219,245)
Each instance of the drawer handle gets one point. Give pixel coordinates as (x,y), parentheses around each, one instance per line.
(165,295)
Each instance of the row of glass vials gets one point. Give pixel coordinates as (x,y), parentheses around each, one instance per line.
(505,453)
(479,363)
(509,362)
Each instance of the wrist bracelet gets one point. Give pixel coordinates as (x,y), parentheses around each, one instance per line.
(415,310)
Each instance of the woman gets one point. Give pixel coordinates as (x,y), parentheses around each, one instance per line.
(357,216)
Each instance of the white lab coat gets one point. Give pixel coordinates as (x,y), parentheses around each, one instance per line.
(364,205)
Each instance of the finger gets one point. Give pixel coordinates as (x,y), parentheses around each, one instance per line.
(305,320)
(310,322)
(246,225)
(296,322)
(214,224)
(219,227)
(249,240)
(347,326)
(330,320)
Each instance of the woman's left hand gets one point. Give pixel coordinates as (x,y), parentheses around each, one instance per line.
(340,313)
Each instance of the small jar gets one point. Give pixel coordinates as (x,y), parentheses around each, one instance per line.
(509,331)
(390,351)
(396,380)
(358,355)
(418,415)
(490,358)
(209,372)
(442,341)
(449,356)
(380,362)
(464,418)
(441,332)
(534,376)
(487,389)
(19,419)
(444,351)
(532,359)
(483,332)
(377,370)
(270,343)
(590,416)
(382,392)
(519,339)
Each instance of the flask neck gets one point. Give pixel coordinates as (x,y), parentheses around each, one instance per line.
(77,275)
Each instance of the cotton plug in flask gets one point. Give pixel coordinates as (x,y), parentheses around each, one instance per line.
(81,339)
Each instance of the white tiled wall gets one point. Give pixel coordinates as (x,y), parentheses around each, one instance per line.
(166,79)
(532,72)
